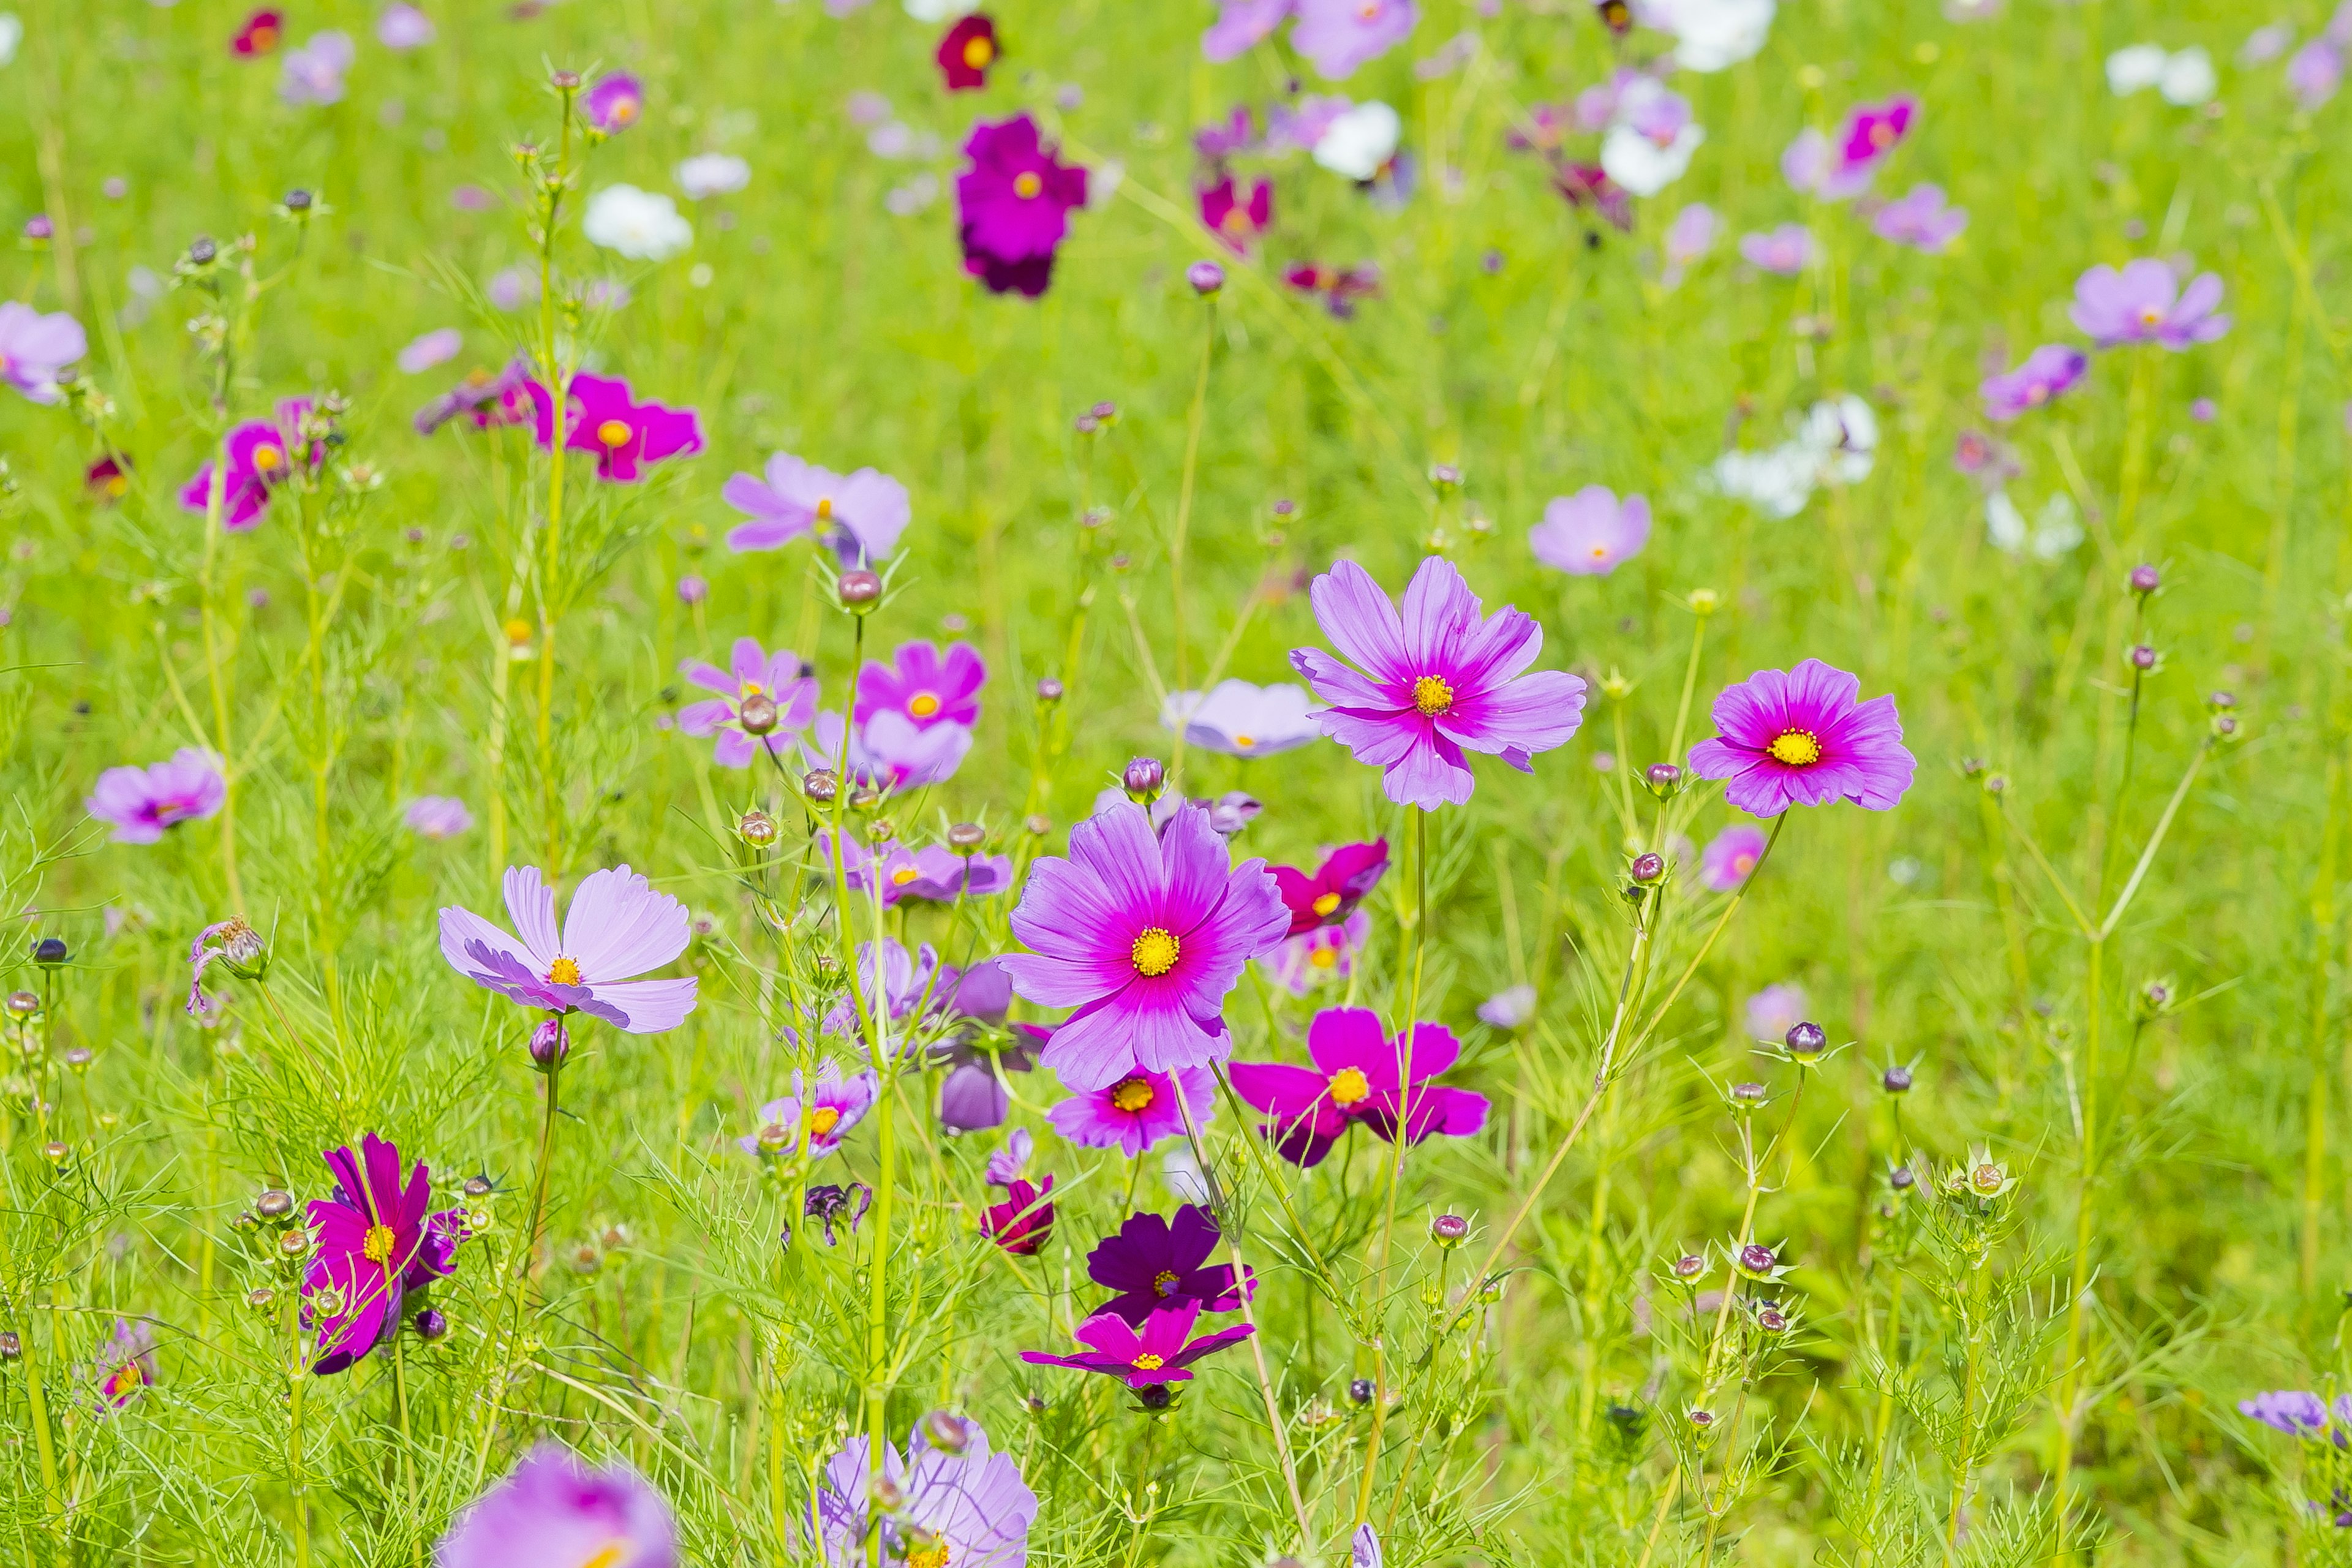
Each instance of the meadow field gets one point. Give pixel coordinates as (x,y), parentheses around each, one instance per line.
(1197,782)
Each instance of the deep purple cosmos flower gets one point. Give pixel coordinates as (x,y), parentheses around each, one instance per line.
(1338,35)
(1799,738)
(1320,956)
(261,455)
(1023,1221)
(966,53)
(1154,1263)
(2049,371)
(1729,857)
(2144,304)
(1012,205)
(952,1500)
(1141,1357)
(835,1105)
(1235,220)
(551,1511)
(377,1239)
(1921,220)
(615,102)
(602,417)
(926,687)
(1137,1111)
(1243,25)
(891,752)
(34,347)
(779,699)
(2292,1411)
(1591,533)
(143,802)
(126,1363)
(1359,1075)
(1345,879)
(858,516)
(1784,251)
(1437,682)
(1237,719)
(617,926)
(1144,934)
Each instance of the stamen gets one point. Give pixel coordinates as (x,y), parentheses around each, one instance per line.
(267,458)
(563,971)
(1147,1362)
(1324,903)
(1349,1087)
(1026,184)
(1432,695)
(377,1245)
(923,704)
(1163,1284)
(614,432)
(1133,1095)
(978,52)
(823,1120)
(903,875)
(1796,748)
(1154,952)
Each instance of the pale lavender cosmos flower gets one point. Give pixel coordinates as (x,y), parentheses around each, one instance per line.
(2145,303)
(1435,683)
(2049,371)
(1921,220)
(511,287)
(1784,251)
(1237,719)
(1772,1012)
(952,1500)
(438,346)
(1813,168)
(935,872)
(1731,856)
(618,926)
(1010,1158)
(438,817)
(2315,72)
(1364,1548)
(835,1105)
(752,674)
(552,1510)
(2294,1412)
(1591,533)
(404,27)
(34,347)
(890,981)
(126,1363)
(1243,25)
(1338,35)
(890,750)
(313,74)
(1509,1008)
(1322,956)
(2266,42)
(859,516)
(1688,239)
(143,802)
(708,174)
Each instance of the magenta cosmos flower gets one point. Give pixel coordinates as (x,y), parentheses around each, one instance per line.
(602,417)
(261,455)
(1338,35)
(1156,1352)
(927,686)
(1435,683)
(858,516)
(2144,304)
(1330,894)
(1023,1222)
(1012,205)
(617,926)
(1154,1263)
(615,102)
(1136,1111)
(952,1500)
(1144,934)
(377,1239)
(553,1510)
(1836,167)
(143,802)
(2049,371)
(1359,1075)
(754,675)
(1920,220)
(1235,219)
(126,1362)
(1799,738)
(34,347)
(1591,533)
(835,1105)
(1729,857)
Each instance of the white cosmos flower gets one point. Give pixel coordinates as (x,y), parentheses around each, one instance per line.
(644,226)
(1357,143)
(712,174)
(2188,78)
(932,12)
(2140,65)
(1241,720)
(1713,35)
(1836,443)
(11,32)
(1641,165)
(1777,481)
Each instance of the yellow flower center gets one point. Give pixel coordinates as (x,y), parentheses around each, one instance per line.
(1244,742)
(1368,11)
(267,458)
(1432,695)
(2037,394)
(563,971)
(613,433)
(518,631)
(932,1555)
(1796,748)
(1882,135)
(1743,864)
(122,1381)
(376,1245)
(1323,957)
(825,508)
(823,1120)
(1147,1362)
(2150,315)
(923,704)
(1324,903)
(978,51)
(117,484)
(626,110)
(1163,1284)
(1601,553)
(265,38)
(1026,184)
(613,1552)
(1155,950)
(1349,1087)
(903,875)
(1132,1095)
(1235,221)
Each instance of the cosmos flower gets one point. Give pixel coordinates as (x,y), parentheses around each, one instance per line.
(1643,166)
(1801,737)
(601,416)
(1359,140)
(1230,137)
(143,802)
(1836,443)
(1729,857)
(261,456)
(1012,205)
(1588,185)
(2316,71)
(1590,534)
(953,1500)
(1509,1008)
(1023,1221)
(617,926)
(644,226)
(1688,239)
(1338,35)
(1298,125)
(835,1105)
(967,52)
(401,26)
(1137,1111)
(550,1510)
(34,347)
(2144,304)
(1359,1075)
(1144,934)
(893,752)
(126,1362)
(1784,251)
(1237,719)
(1437,682)
(235,947)
(614,102)
(1338,287)
(260,35)
(436,347)
(1160,1350)
(1243,25)
(1772,1012)
(491,400)
(708,174)
(2296,1413)
(1318,956)
(2049,371)
(1329,896)
(1236,222)
(2183,77)
(1921,220)
(1010,1158)
(1713,35)
(858,516)
(313,74)
(374,1241)
(437,817)
(778,695)
(107,480)
(924,687)
(972,1096)
(934,872)
(1153,1263)
(890,980)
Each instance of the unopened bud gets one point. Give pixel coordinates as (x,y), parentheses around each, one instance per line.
(294,1244)
(1648,866)
(2145,580)
(1771,1320)
(1689,1265)
(1143,780)
(79,1058)
(1206,276)
(274,1203)
(947,1432)
(1896,1080)
(758,713)
(1049,690)
(550,1044)
(1901,1179)
(431,1324)
(1746,1096)
(298,200)
(1757,1258)
(967,836)
(261,1299)
(56,1154)
(202,250)
(1662,777)
(22,1004)
(819,785)
(2143,657)
(1361,1391)
(49,951)
(1037,825)
(757,829)
(860,590)
(1449,1230)
(1805,1040)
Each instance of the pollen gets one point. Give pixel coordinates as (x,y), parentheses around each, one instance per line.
(823,1120)
(923,704)
(1323,957)
(1147,1362)
(626,110)
(2150,316)
(1244,742)
(1432,695)
(267,458)
(1155,951)
(903,875)
(1132,1095)
(614,432)
(563,971)
(1796,748)
(612,1554)
(1349,1087)
(1164,1283)
(1324,903)
(934,1555)
(978,52)
(377,1245)
(1026,184)
(1235,221)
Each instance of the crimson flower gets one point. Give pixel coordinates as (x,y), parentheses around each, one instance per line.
(967,52)
(1024,1220)
(1345,879)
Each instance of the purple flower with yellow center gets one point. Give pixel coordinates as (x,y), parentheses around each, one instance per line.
(1136,1110)
(765,700)
(2144,304)
(1158,1351)
(1144,934)
(1345,879)
(143,802)
(1359,1075)
(1153,1264)
(617,926)
(601,417)
(552,1511)
(1021,1224)
(437,817)
(1921,220)
(2049,371)
(1012,205)
(34,347)
(1800,737)
(1435,683)
(835,1105)
(890,980)
(1338,35)
(934,872)
(891,752)
(1731,856)
(1784,251)
(1237,719)
(615,102)
(951,1500)
(375,1240)
(858,516)
(926,685)
(1237,220)
(126,1362)
(1591,533)
(1320,956)
(261,456)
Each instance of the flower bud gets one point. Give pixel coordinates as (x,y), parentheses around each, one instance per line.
(1901,1179)
(202,250)
(2220,700)
(261,1299)
(1158,1397)
(865,799)
(1702,1419)
(11,1347)
(1206,278)
(1663,778)
(1757,1258)
(1896,1080)
(819,785)
(1143,780)
(967,836)
(1449,1230)
(947,1432)
(22,1004)
(274,1205)
(1689,1265)
(294,1245)
(1648,866)
(1747,1095)
(757,829)
(2145,580)
(1996,784)
(1444,477)
(1805,1040)
(564,81)
(1037,825)
(758,713)
(860,590)
(55,1152)
(1705,601)
(1361,1391)
(49,951)
(1771,1320)
(298,200)
(1048,690)
(79,1058)
(431,1324)
(550,1044)
(2143,657)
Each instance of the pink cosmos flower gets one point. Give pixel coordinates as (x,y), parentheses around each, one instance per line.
(1920,220)
(1136,1110)
(436,347)
(1144,934)
(143,802)
(891,752)
(858,516)
(1338,35)
(1590,534)
(1800,737)
(1023,1221)
(1227,138)
(1435,683)
(437,817)
(602,417)
(259,35)
(1836,167)
(1243,25)
(1316,957)
(1012,205)
(313,74)
(377,1239)
(2049,371)
(753,673)
(618,926)
(1688,239)
(126,1363)
(402,27)
(1158,1353)
(2144,304)
(1235,222)
(2315,72)
(1359,1075)
(261,456)
(615,102)
(554,1510)
(922,684)
(1588,185)
(1729,857)
(835,1105)
(1784,251)
(34,347)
